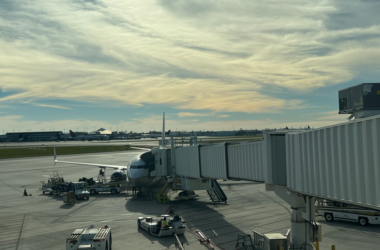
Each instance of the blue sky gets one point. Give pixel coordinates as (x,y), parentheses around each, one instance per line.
(208,64)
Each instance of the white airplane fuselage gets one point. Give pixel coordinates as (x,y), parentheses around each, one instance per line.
(139,173)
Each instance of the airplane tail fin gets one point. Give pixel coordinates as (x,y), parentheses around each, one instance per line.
(72,134)
(168,133)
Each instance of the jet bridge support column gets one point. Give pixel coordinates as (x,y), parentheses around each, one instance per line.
(303,212)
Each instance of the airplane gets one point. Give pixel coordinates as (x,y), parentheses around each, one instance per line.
(137,170)
(155,136)
(88,137)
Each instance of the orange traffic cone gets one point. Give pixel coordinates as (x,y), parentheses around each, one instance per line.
(171,209)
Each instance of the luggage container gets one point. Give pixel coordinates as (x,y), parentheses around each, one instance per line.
(69,197)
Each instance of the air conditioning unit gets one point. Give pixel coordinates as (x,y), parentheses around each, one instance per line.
(275,241)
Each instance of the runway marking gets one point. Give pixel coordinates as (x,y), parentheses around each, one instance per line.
(11,187)
(19,237)
(13,225)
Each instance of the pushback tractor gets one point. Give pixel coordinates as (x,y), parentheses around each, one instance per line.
(164,226)
(90,238)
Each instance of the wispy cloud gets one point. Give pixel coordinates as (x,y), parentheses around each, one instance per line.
(186,114)
(49,106)
(220,61)
(332,116)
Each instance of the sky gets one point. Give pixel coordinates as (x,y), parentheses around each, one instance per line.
(208,64)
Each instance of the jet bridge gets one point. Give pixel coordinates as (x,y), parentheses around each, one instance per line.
(339,162)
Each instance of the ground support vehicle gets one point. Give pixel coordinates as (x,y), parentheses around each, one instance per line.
(80,189)
(46,187)
(186,195)
(90,238)
(363,216)
(164,226)
(56,184)
(112,188)
(204,239)
(69,197)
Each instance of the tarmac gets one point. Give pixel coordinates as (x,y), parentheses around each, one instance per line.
(43,221)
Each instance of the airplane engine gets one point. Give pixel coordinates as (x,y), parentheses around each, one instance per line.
(118,176)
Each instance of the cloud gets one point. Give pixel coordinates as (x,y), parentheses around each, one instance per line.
(51,77)
(50,106)
(186,114)
(223,115)
(332,116)
(224,60)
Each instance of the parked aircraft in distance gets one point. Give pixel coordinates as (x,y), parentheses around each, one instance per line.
(88,137)
(155,136)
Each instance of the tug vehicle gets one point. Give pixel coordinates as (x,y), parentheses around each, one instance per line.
(80,190)
(164,226)
(90,238)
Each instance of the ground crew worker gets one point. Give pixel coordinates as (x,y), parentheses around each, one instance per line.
(101,172)
(164,222)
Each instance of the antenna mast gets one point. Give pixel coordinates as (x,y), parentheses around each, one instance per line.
(163,131)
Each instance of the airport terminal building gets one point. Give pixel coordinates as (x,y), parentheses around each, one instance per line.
(34,136)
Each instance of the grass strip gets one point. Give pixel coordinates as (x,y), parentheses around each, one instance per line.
(48,151)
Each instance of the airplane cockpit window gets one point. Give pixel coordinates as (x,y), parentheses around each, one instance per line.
(138,167)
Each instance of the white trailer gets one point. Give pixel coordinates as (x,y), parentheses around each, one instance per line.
(108,188)
(90,238)
(362,216)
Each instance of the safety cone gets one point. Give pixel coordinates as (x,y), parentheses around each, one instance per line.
(171,209)
(25,193)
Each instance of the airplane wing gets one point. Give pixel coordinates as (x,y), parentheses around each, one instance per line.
(89,164)
(146,149)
